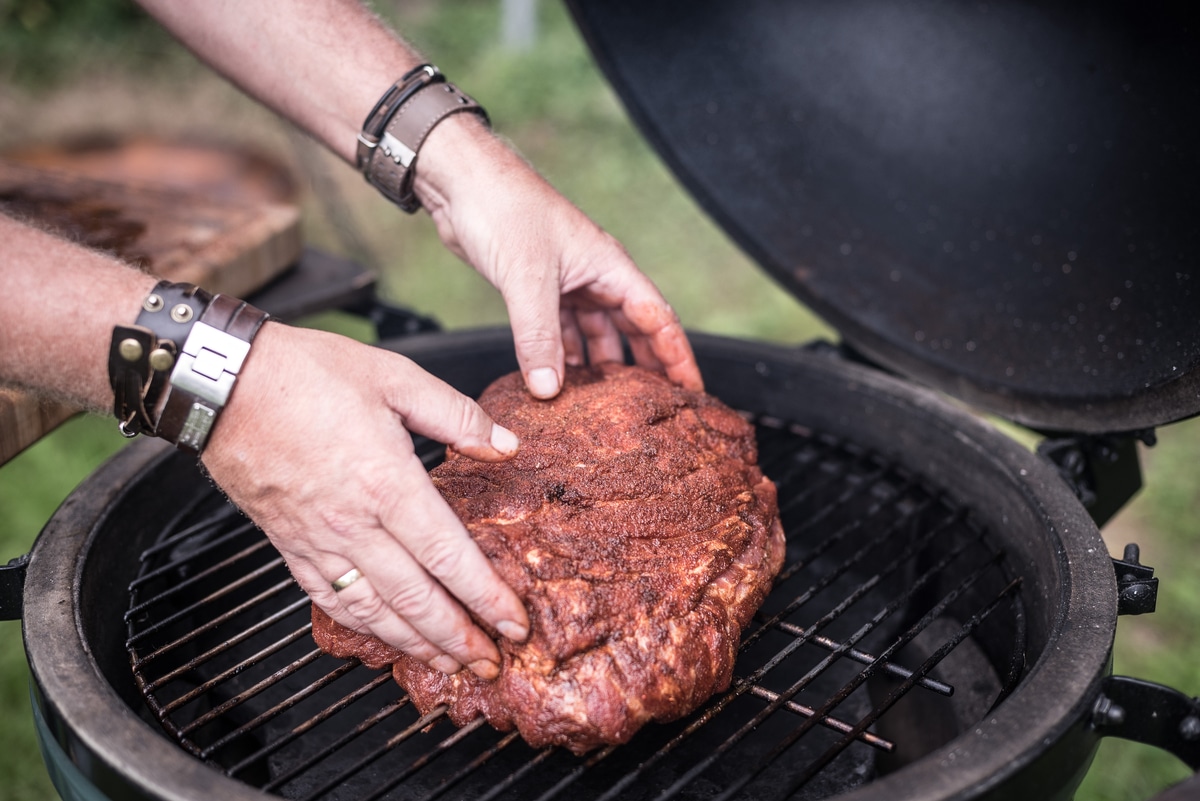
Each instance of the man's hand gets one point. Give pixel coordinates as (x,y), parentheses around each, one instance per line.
(315,447)
(571,289)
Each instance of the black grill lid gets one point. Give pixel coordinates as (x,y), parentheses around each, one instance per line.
(998,199)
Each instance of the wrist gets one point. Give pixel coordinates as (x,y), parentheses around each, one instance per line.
(459,154)
(256,382)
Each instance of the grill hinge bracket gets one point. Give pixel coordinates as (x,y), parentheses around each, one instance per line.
(12,587)
(1103,470)
(1150,713)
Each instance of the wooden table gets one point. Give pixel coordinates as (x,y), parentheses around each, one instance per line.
(230,233)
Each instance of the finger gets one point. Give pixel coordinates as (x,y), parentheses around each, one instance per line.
(431,407)
(346,605)
(651,317)
(603,338)
(400,591)
(574,352)
(532,299)
(422,521)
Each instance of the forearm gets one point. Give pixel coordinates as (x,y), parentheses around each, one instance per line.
(320,63)
(57,310)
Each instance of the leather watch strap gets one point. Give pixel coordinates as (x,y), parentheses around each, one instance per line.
(206,370)
(396,96)
(392,165)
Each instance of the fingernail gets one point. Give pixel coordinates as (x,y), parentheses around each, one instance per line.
(513,631)
(445,663)
(485,669)
(504,440)
(543,382)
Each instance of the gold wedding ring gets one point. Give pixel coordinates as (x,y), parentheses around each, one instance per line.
(346,579)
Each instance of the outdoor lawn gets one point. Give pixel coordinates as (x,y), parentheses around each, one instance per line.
(99,67)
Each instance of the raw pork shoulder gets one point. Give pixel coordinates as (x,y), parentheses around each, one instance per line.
(636,526)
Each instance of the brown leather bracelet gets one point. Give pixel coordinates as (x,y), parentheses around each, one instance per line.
(206,370)
(387,155)
(142,356)
(396,95)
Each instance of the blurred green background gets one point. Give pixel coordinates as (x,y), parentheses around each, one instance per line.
(99,66)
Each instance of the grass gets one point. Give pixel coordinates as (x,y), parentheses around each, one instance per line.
(551,102)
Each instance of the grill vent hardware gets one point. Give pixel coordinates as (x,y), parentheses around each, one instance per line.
(891,599)
(1137,589)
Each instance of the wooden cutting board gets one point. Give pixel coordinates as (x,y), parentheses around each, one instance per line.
(213,216)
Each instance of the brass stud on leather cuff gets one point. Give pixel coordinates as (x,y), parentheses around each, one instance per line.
(173,371)
(161,360)
(130,349)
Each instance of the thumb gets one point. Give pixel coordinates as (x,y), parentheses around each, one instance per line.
(431,407)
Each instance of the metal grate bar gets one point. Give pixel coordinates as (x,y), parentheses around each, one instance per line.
(169,567)
(274,678)
(367,724)
(273,590)
(474,765)
(888,610)
(425,759)
(518,774)
(858,523)
(741,686)
(873,740)
(861,677)
(214,520)
(847,495)
(434,715)
(570,778)
(862,657)
(218,649)
(234,670)
(788,463)
(280,708)
(857,557)
(309,724)
(899,691)
(190,581)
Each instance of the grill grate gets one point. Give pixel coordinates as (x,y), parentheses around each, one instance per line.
(890,598)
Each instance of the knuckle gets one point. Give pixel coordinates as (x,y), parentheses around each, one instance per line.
(369,608)
(471,419)
(538,338)
(442,557)
(414,601)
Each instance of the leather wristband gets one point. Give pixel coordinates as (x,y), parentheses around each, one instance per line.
(172,371)
(143,355)
(206,371)
(398,125)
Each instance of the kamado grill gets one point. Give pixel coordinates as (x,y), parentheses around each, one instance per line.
(977,199)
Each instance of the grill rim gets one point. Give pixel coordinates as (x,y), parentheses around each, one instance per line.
(93,723)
